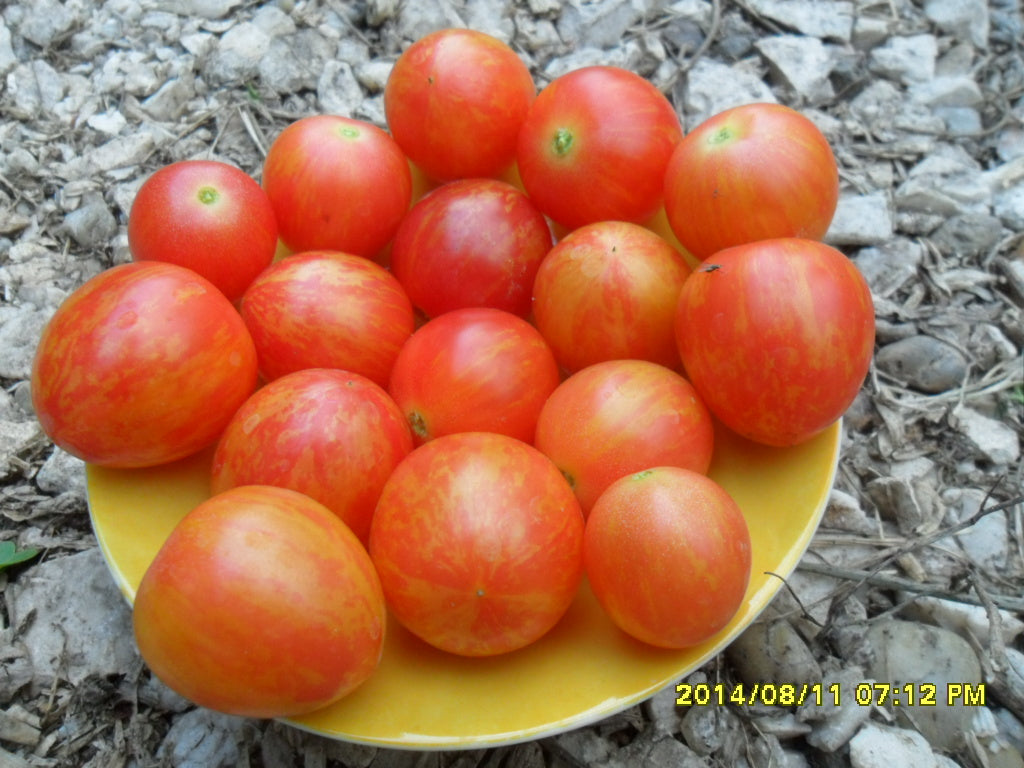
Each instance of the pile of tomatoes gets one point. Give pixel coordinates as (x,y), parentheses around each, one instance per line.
(449,370)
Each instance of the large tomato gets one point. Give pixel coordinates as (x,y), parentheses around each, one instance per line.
(338,184)
(667,554)
(777,337)
(622,416)
(609,291)
(595,145)
(332,435)
(477,369)
(471,243)
(325,309)
(143,364)
(261,603)
(208,216)
(750,173)
(455,100)
(479,543)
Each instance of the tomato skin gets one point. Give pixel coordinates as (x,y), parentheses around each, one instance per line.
(471,243)
(338,184)
(326,309)
(777,336)
(753,172)
(261,603)
(609,291)
(332,435)
(622,416)
(143,364)
(668,555)
(476,369)
(208,216)
(479,544)
(455,100)
(594,147)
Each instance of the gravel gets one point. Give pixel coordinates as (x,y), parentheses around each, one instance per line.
(922,547)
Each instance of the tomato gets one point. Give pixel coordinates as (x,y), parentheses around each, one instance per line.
(325,309)
(622,416)
(208,216)
(777,336)
(750,173)
(337,184)
(479,544)
(455,100)
(143,364)
(609,291)
(471,243)
(332,435)
(477,369)
(667,554)
(261,603)
(594,147)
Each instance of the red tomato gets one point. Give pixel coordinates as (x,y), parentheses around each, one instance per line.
(325,309)
(332,435)
(143,364)
(609,291)
(474,370)
(622,416)
(261,603)
(471,243)
(337,184)
(594,147)
(667,554)
(750,173)
(777,337)
(454,102)
(208,216)
(479,544)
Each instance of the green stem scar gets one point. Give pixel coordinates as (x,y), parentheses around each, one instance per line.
(720,136)
(418,425)
(563,141)
(207,195)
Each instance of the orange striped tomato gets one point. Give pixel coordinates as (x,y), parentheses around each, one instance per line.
(478,369)
(478,541)
(143,364)
(261,603)
(777,336)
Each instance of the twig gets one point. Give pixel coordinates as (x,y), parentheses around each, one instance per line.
(803,609)
(908,585)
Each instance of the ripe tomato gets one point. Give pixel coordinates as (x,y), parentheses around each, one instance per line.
(594,147)
(750,173)
(472,370)
(479,544)
(622,416)
(332,435)
(337,184)
(143,364)
(777,337)
(609,291)
(471,243)
(667,554)
(261,603)
(208,216)
(325,309)
(454,102)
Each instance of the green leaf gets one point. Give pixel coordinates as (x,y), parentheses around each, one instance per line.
(11,555)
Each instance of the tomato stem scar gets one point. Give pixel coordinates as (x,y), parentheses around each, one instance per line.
(563,141)
(207,195)
(418,425)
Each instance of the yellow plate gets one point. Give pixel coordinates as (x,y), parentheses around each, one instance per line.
(582,671)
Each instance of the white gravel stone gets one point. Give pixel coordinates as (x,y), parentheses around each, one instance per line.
(909,59)
(713,87)
(7,58)
(879,746)
(802,63)
(830,21)
(202,738)
(997,441)
(965,19)
(861,219)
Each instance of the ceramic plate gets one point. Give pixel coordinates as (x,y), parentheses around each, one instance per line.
(582,671)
